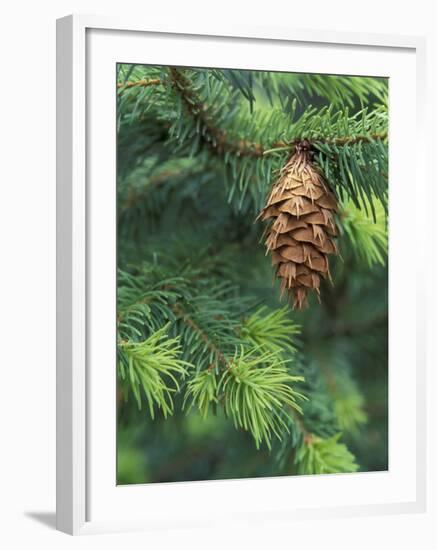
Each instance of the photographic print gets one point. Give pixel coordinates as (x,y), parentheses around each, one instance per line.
(252,285)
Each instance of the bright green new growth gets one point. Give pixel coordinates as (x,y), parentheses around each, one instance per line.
(257,392)
(152,366)
(202,390)
(324,456)
(215,337)
(272,331)
(350,413)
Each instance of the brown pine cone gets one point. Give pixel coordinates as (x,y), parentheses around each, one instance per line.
(302,227)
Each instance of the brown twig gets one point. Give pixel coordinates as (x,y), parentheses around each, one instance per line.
(177,309)
(351,140)
(216,138)
(139,83)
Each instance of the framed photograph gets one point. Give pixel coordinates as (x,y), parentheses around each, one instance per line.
(240,327)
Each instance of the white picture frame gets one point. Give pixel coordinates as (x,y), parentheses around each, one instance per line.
(81,484)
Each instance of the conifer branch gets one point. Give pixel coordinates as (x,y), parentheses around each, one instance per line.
(217,140)
(214,137)
(339,141)
(177,309)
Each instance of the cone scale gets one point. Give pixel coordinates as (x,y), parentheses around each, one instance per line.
(302,228)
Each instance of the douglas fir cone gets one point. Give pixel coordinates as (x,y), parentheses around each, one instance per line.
(302,227)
